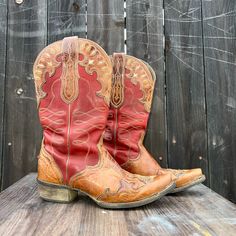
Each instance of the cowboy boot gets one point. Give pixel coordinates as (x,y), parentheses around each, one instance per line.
(73,83)
(131,97)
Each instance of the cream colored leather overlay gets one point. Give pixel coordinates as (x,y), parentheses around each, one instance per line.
(70,75)
(94,60)
(117,88)
(139,73)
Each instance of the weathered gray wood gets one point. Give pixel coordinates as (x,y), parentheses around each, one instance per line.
(3,30)
(27,24)
(144,25)
(66,18)
(105,24)
(220,68)
(198,211)
(186,118)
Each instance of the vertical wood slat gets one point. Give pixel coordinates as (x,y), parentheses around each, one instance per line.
(220,68)
(3,31)
(105,24)
(66,18)
(186,113)
(27,24)
(145,40)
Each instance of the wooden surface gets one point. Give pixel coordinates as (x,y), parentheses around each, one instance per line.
(198,211)
(192,51)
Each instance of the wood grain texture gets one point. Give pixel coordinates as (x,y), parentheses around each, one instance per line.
(105,24)
(66,18)
(198,211)
(26,37)
(144,25)
(3,39)
(220,68)
(186,113)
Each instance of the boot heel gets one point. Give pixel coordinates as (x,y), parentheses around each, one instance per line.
(56,194)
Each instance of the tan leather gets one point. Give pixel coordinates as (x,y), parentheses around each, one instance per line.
(109,183)
(144,164)
(184,177)
(120,137)
(48,171)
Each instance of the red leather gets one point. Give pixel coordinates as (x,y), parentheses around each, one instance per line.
(126,124)
(71,131)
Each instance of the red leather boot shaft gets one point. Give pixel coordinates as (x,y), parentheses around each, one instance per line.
(73,111)
(127,119)
(132,91)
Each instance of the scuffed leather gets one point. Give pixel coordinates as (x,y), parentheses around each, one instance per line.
(127,125)
(108,182)
(144,164)
(48,171)
(184,177)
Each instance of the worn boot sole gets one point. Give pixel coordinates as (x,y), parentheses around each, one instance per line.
(189,185)
(64,194)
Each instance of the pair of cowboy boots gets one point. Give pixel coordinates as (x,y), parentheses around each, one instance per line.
(76,82)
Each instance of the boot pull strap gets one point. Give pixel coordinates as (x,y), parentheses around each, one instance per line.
(70,73)
(117,91)
(70,45)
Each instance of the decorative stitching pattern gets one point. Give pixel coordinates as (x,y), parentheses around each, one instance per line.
(117,89)
(177,172)
(47,168)
(93,60)
(45,63)
(139,73)
(70,75)
(127,184)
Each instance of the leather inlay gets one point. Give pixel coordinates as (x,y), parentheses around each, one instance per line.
(113,184)
(139,73)
(45,63)
(117,89)
(70,75)
(48,171)
(94,60)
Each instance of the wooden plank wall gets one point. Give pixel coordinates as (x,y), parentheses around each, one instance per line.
(3,33)
(26,35)
(190,45)
(219,28)
(66,18)
(105,24)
